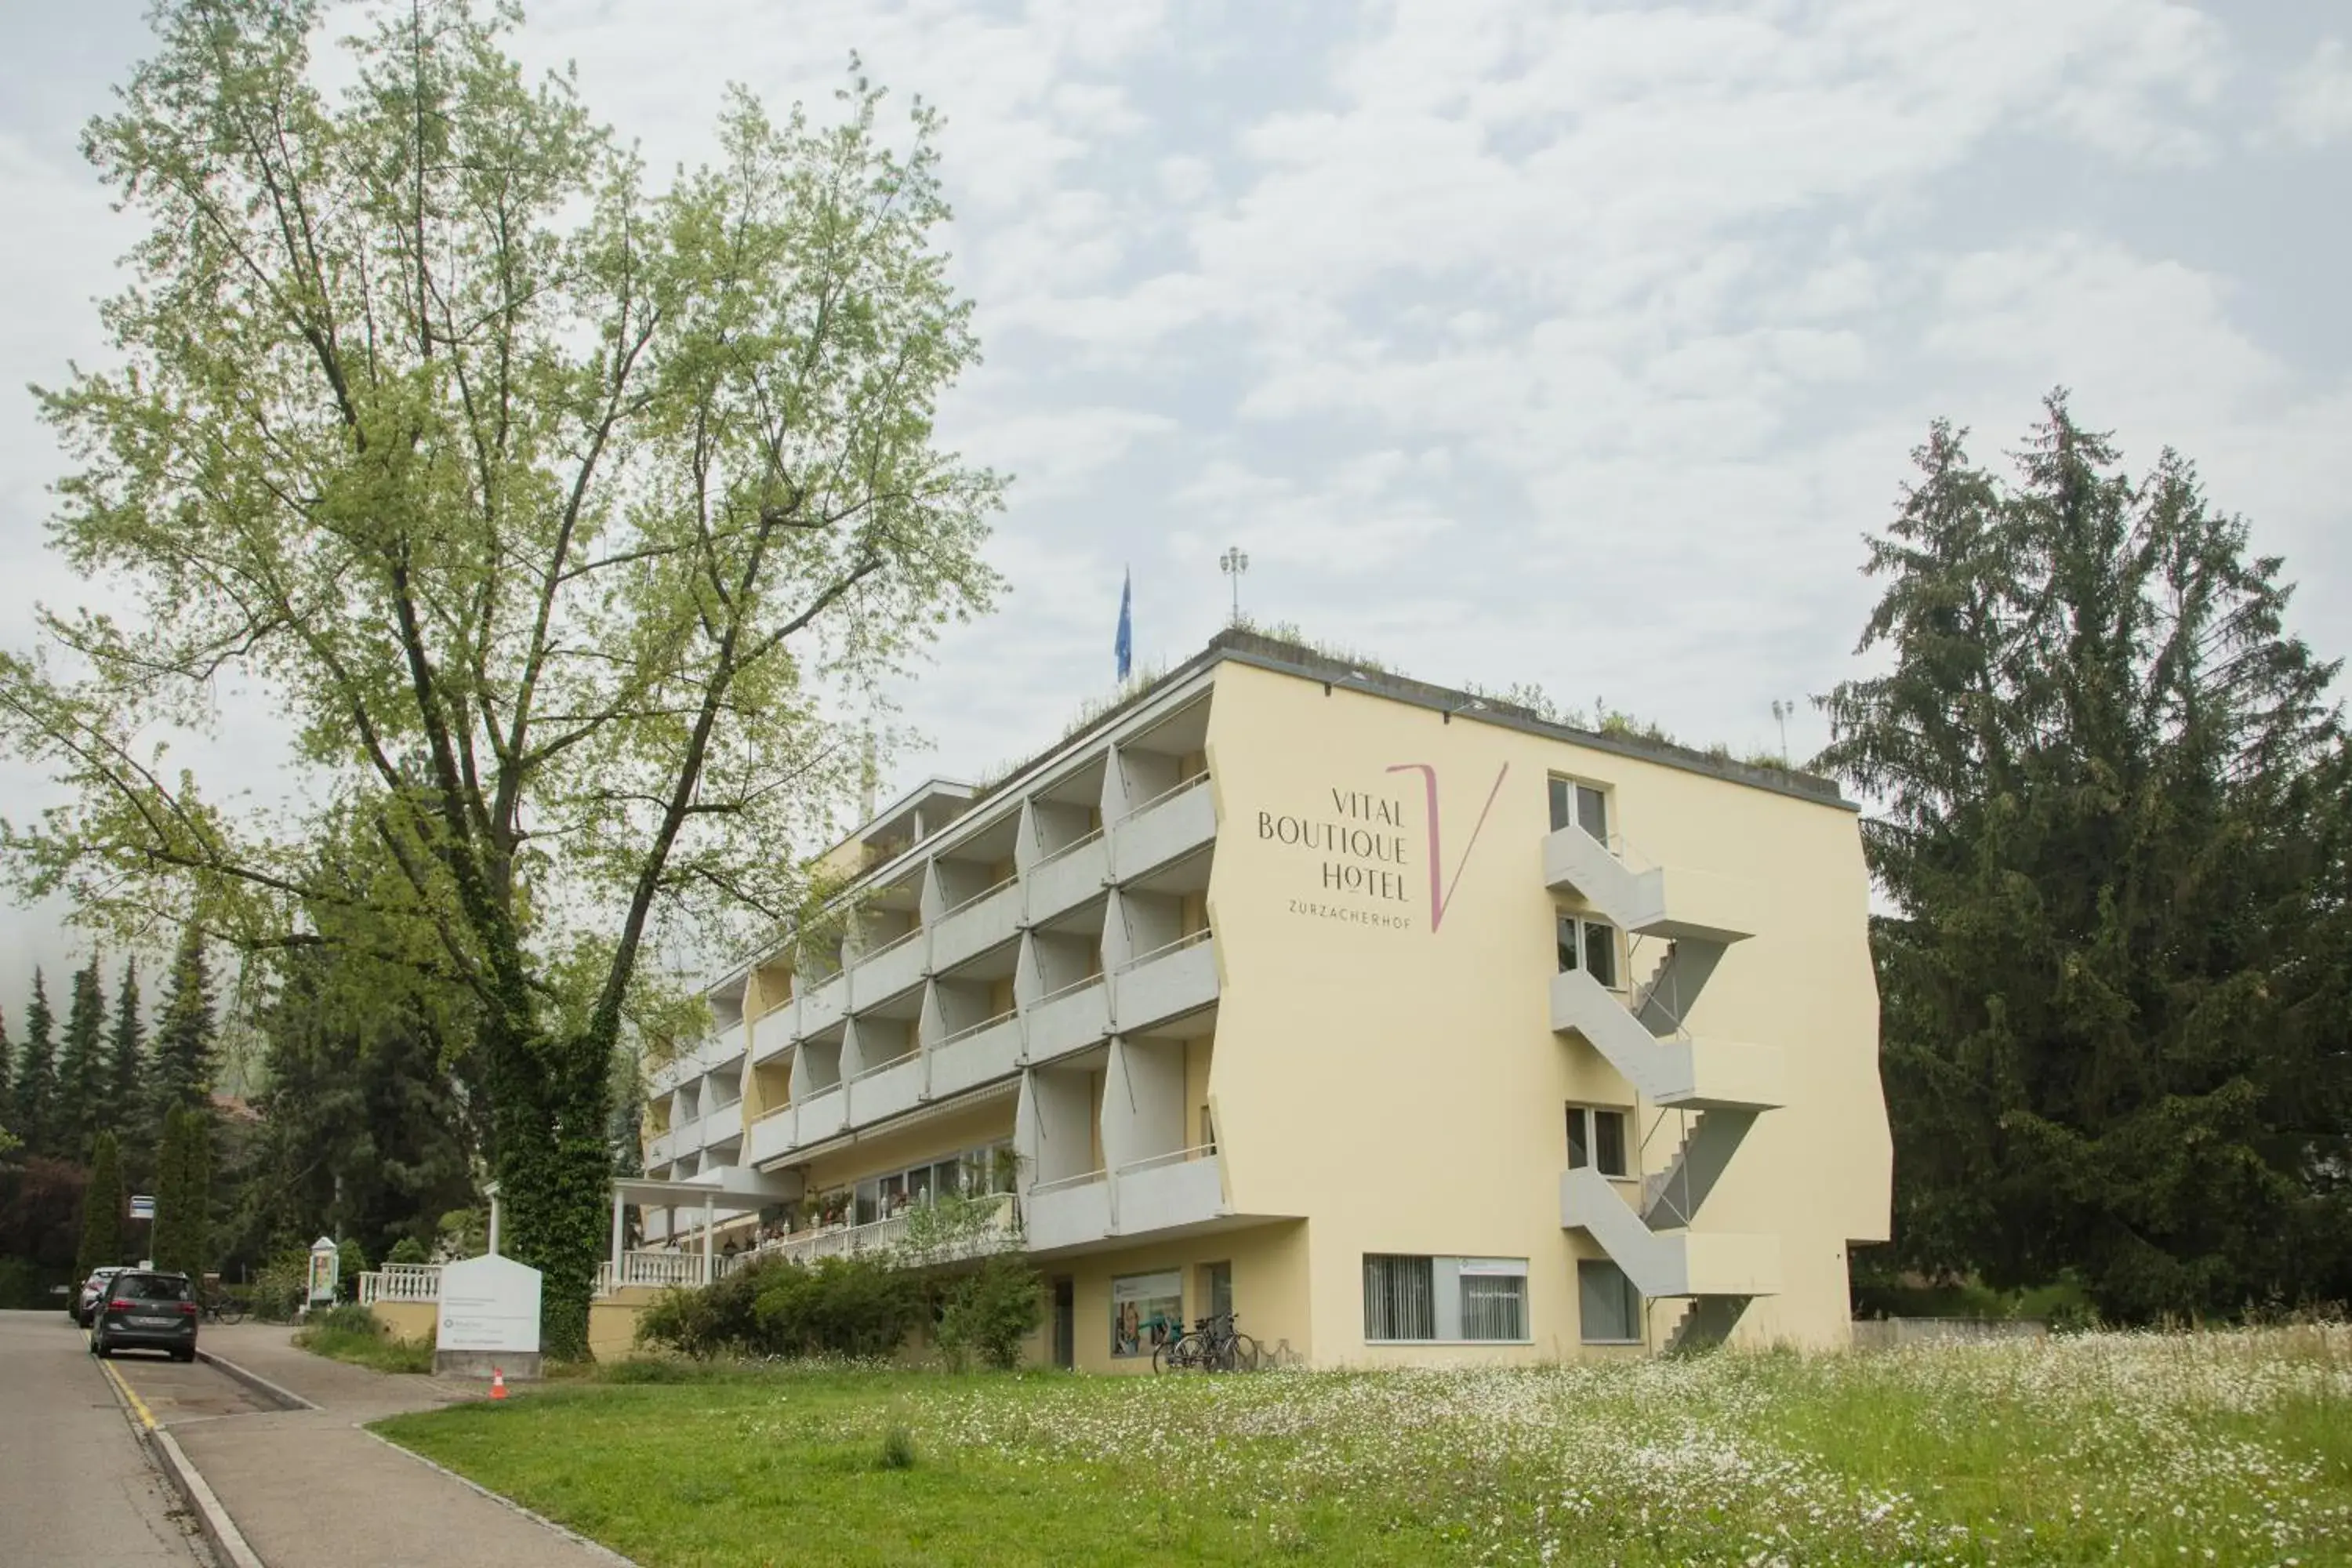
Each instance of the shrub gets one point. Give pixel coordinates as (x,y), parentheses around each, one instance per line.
(990,1311)
(350,1262)
(407,1249)
(898,1449)
(278,1286)
(855,1308)
(346,1318)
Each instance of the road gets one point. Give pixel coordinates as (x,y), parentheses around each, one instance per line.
(76,1489)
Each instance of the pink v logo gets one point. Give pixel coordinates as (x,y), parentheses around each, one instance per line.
(1441,890)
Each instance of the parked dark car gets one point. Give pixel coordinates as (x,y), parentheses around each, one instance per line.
(86,1299)
(144,1310)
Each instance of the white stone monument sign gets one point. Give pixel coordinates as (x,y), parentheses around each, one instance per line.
(489,1319)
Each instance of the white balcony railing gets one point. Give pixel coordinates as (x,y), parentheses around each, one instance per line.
(997,1230)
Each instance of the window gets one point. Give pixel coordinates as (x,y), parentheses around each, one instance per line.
(1610,1311)
(1590,945)
(1400,1298)
(970,1173)
(1445,1300)
(1597,1138)
(1586,805)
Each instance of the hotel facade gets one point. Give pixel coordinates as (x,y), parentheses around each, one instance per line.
(1410,1027)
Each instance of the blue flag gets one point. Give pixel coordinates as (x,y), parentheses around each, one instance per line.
(1125,646)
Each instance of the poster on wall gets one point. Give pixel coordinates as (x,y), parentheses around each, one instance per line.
(1147,1310)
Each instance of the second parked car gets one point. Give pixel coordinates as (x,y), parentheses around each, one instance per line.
(93,1290)
(145,1310)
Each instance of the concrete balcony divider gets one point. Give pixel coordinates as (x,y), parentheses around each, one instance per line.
(1068,878)
(1699,1074)
(983,1054)
(977,925)
(1164,828)
(1069,1020)
(1667,1263)
(1167,983)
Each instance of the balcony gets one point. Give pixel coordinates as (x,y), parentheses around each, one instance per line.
(1164,1193)
(772,1136)
(1667,1262)
(998,1229)
(981,1053)
(891,968)
(824,1114)
(1166,982)
(1069,876)
(1163,828)
(1666,1070)
(1686,906)
(822,1004)
(772,1032)
(984,920)
(890,1089)
(1069,1019)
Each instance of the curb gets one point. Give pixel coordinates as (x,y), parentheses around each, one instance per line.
(596,1547)
(220,1531)
(284,1398)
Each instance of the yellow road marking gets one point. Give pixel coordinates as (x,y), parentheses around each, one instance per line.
(130,1393)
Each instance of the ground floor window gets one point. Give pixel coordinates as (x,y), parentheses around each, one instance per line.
(1411,1300)
(1610,1308)
(1147,1310)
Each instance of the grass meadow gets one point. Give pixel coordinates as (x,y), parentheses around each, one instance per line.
(2231,1447)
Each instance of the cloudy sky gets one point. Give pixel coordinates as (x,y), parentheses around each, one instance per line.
(1513,339)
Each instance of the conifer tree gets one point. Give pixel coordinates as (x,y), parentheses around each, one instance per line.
(124,1068)
(101,1210)
(183,1068)
(81,1065)
(2115,832)
(165,1185)
(196,1229)
(37,1074)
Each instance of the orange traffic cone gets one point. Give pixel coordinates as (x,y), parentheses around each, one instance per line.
(498,1384)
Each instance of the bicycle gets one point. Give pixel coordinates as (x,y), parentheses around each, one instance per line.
(220,1307)
(1213,1345)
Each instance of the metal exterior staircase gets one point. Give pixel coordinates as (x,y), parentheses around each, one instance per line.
(1728,1084)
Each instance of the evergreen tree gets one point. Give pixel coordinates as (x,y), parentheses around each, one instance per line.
(183,1068)
(37,1074)
(195,1236)
(366,1131)
(7,1075)
(101,1210)
(169,1189)
(2115,832)
(182,1236)
(81,1065)
(124,1068)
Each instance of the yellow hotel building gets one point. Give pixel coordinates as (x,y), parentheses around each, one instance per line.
(1410,1026)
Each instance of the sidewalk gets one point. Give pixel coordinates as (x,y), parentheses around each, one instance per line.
(310,1489)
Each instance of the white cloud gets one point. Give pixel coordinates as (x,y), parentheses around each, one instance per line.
(2315,102)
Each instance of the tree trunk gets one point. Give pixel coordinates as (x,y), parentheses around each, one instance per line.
(550,1099)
